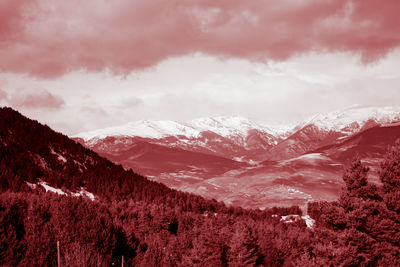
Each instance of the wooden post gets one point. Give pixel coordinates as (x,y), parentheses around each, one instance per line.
(122,264)
(58,254)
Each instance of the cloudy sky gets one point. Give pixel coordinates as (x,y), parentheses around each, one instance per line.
(83,65)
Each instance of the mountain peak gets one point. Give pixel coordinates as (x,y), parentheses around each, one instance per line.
(142,128)
(341,119)
(225,125)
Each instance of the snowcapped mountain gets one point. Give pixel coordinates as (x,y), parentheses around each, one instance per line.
(231,137)
(352,120)
(241,139)
(203,156)
(331,128)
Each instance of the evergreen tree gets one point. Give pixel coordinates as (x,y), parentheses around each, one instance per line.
(207,249)
(355,177)
(390,178)
(390,169)
(242,247)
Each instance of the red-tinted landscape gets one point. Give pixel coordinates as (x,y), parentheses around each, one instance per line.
(199,133)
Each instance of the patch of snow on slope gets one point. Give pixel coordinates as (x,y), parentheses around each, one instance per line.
(83,193)
(290,218)
(60,157)
(311,158)
(295,218)
(308,220)
(49,188)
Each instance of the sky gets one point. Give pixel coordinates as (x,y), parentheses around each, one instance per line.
(83,65)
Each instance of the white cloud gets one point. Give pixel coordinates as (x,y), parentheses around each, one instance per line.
(197,86)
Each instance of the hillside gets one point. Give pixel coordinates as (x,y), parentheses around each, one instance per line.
(33,153)
(371,143)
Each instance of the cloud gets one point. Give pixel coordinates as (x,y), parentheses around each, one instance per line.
(132,102)
(3,95)
(13,18)
(38,99)
(49,38)
(278,92)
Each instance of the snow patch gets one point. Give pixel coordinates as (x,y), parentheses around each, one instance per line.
(48,188)
(295,218)
(84,193)
(206,214)
(60,157)
(309,158)
(308,220)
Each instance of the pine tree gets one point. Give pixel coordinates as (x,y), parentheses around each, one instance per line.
(207,249)
(355,177)
(357,186)
(242,250)
(390,177)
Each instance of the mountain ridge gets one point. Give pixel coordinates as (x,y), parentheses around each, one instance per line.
(240,139)
(233,125)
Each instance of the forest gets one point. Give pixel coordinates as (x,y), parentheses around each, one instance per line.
(148,224)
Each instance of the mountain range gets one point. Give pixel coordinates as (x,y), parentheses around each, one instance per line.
(249,164)
(240,139)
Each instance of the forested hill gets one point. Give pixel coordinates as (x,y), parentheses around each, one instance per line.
(32,152)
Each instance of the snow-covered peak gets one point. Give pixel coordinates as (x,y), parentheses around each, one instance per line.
(143,128)
(226,126)
(280,131)
(353,119)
